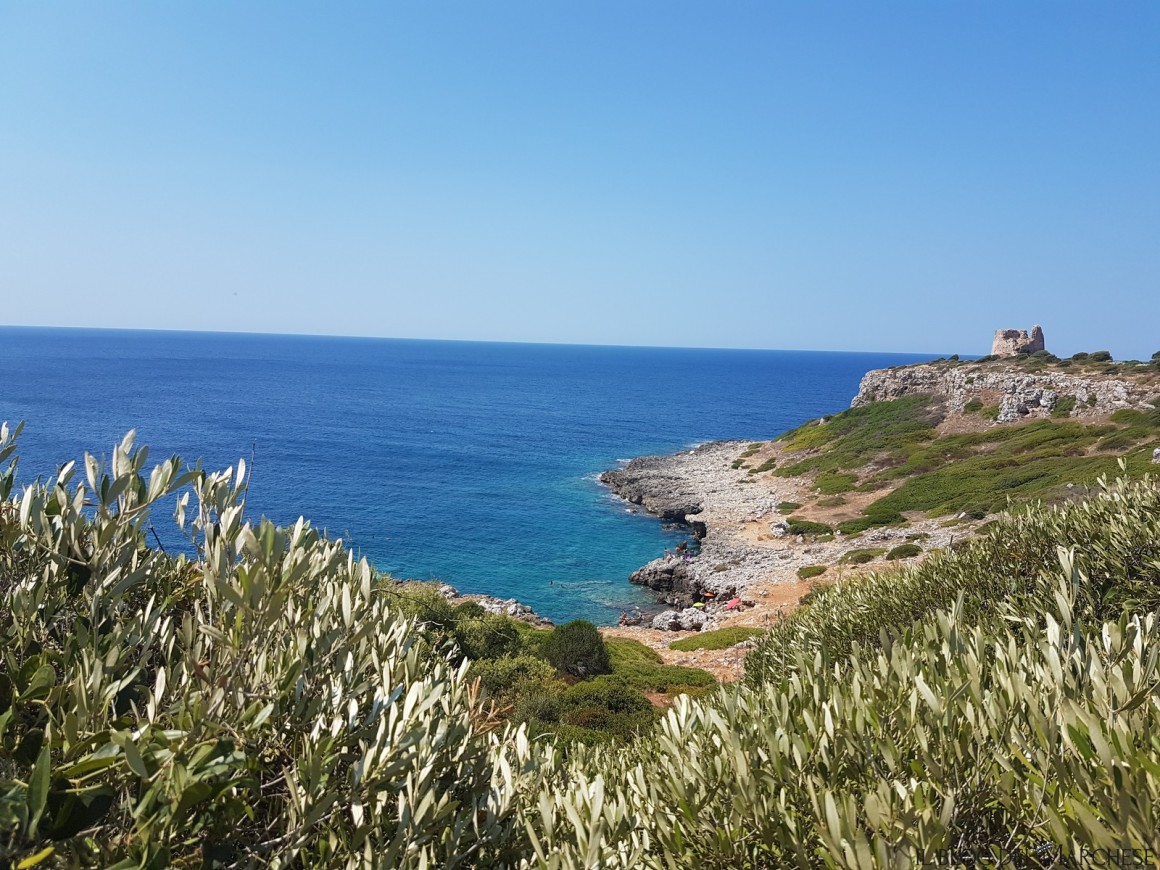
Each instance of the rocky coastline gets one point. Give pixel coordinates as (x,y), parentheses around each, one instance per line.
(741,545)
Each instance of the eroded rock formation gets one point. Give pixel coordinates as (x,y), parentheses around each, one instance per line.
(1016,394)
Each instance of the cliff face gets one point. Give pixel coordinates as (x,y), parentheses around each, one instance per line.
(1018,394)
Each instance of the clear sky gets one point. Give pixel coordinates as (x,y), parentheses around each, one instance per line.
(841,176)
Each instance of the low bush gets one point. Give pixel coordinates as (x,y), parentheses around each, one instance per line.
(543,705)
(874,516)
(1101,356)
(577,648)
(796,526)
(861,557)
(788,507)
(807,572)
(426,604)
(832,483)
(615,696)
(637,665)
(722,638)
(1064,405)
(468,610)
(973,406)
(831,501)
(503,678)
(487,637)
(903,551)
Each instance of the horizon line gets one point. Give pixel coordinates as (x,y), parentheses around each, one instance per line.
(237,332)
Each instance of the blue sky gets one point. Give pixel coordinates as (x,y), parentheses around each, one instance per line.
(846,176)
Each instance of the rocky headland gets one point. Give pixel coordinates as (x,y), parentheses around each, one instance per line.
(758,513)
(1013,392)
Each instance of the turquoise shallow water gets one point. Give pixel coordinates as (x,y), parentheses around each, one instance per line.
(474,463)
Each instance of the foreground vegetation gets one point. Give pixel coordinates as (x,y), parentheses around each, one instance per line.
(265,702)
(566,682)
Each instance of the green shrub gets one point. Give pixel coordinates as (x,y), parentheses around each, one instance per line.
(788,507)
(874,516)
(487,637)
(831,483)
(513,675)
(1064,405)
(1120,441)
(425,603)
(539,704)
(861,557)
(973,406)
(606,692)
(1101,356)
(577,648)
(637,665)
(468,610)
(806,572)
(722,638)
(1080,357)
(768,465)
(796,526)
(903,551)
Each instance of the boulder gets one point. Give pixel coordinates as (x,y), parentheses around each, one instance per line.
(666,620)
(689,619)
(665,574)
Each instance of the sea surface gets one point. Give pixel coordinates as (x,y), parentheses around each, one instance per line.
(473,463)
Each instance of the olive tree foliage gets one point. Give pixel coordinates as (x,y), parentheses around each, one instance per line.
(262,703)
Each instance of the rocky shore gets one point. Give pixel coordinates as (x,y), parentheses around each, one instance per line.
(743,542)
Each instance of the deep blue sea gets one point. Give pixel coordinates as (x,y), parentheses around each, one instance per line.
(473,463)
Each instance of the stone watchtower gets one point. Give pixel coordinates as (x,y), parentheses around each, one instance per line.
(1013,342)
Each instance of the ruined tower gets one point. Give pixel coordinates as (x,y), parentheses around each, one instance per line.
(1012,342)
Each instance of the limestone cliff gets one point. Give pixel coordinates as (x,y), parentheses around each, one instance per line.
(1015,392)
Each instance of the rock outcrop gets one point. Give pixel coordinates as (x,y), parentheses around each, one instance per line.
(1013,342)
(1017,394)
(649,481)
(689,619)
(499,606)
(666,574)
